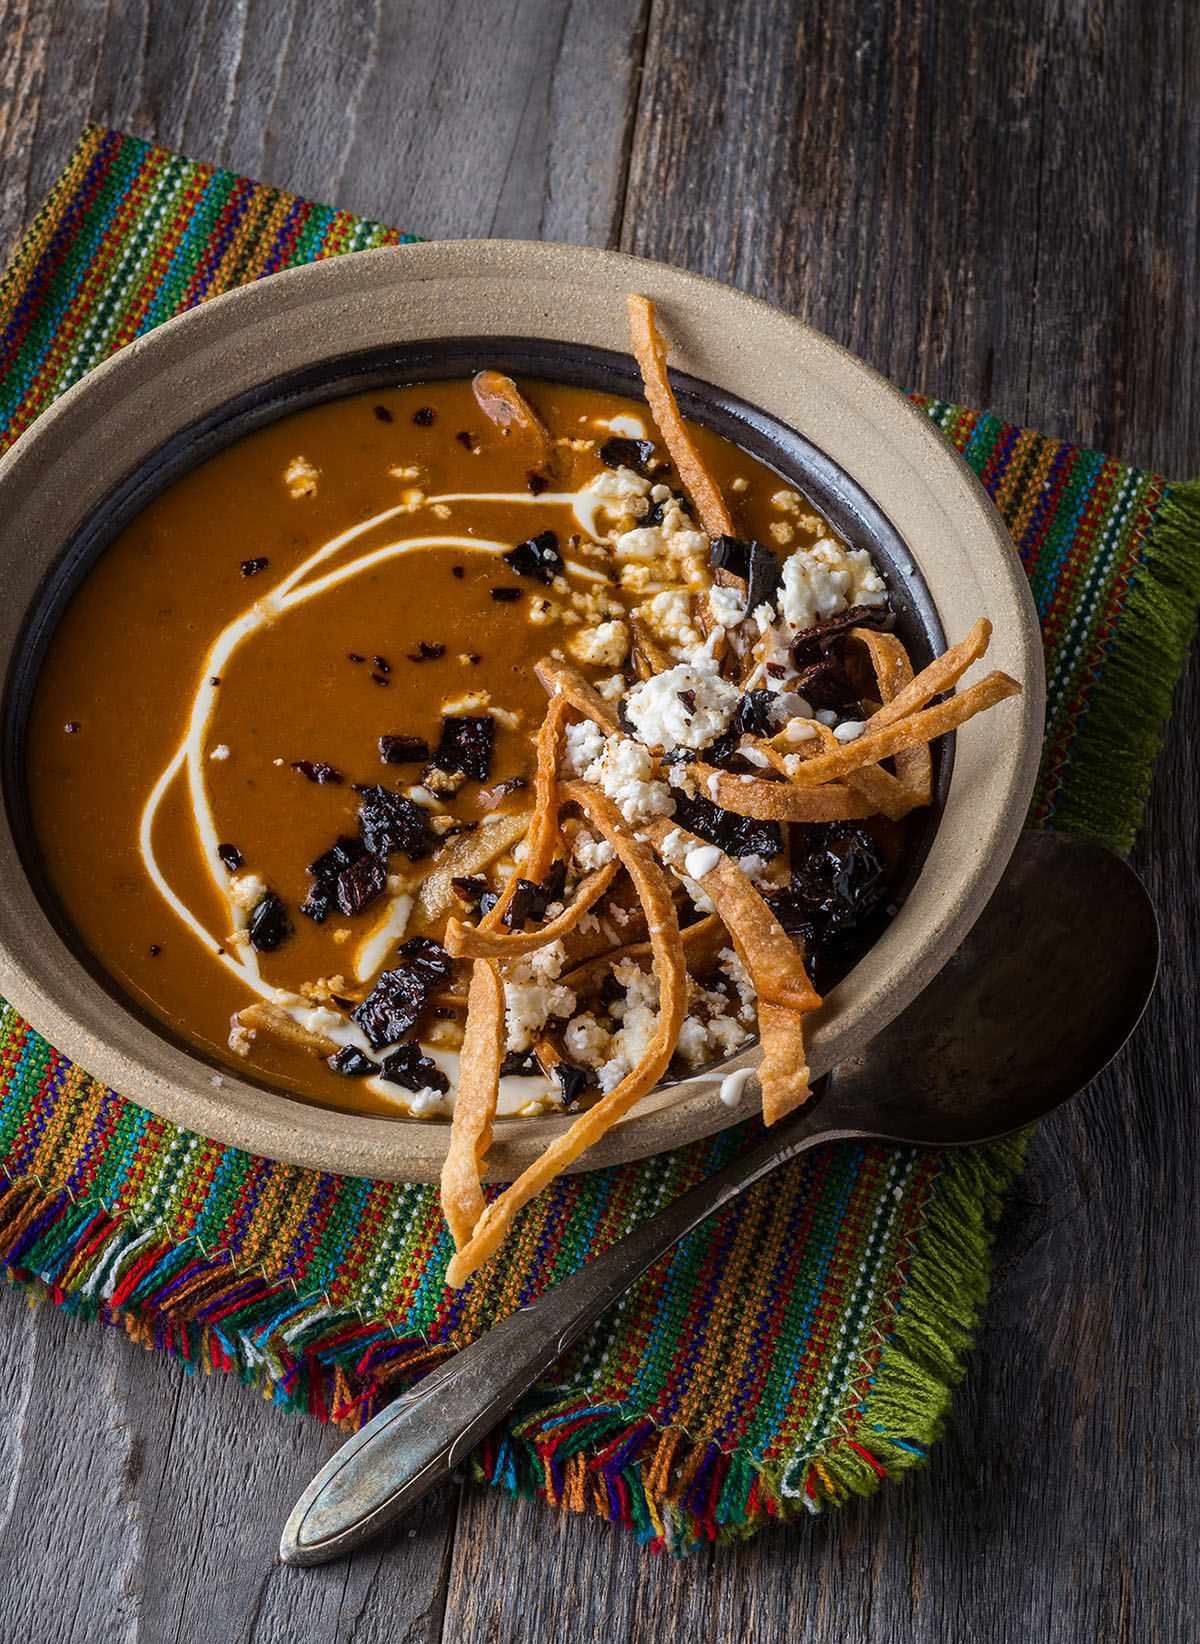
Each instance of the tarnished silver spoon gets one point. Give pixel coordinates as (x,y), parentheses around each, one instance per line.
(1042,994)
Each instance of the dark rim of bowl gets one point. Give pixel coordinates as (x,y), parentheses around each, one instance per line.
(798,461)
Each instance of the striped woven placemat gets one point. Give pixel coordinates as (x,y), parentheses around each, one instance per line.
(804,1342)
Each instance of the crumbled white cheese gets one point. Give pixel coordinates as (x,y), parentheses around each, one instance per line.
(611,688)
(589,852)
(247,891)
(728,606)
(583,745)
(737,973)
(664,720)
(668,616)
(605,646)
(219,752)
(826,579)
(532,994)
(300,477)
(625,771)
(472,703)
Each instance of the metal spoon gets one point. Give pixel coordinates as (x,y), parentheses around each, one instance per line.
(1042,994)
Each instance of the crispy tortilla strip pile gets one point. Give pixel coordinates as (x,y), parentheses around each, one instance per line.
(670,967)
(818,779)
(650,351)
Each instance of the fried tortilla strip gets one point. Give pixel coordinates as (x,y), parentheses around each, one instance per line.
(767,801)
(478,942)
(474,1102)
(773,963)
(884,793)
(893,674)
(503,403)
(277,1024)
(876,744)
(650,351)
(702,943)
(647,658)
(654,892)
(942,673)
(541,841)
(561,680)
(467,854)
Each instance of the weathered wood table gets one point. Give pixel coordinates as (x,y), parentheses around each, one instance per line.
(995,202)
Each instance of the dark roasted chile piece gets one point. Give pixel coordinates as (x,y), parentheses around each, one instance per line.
(488,901)
(469,890)
(610,990)
(682,756)
(573,1080)
(231,856)
(536,557)
(392,822)
(619,452)
(722,749)
(752,716)
(323,894)
(508,596)
(528,902)
(536,482)
(317,771)
(353,656)
(654,514)
(555,882)
(384,415)
(382,663)
(466,438)
(404,750)
(424,417)
(426,652)
(688,698)
(362,883)
(410,1067)
(735,835)
(730,554)
(268,924)
(251,567)
(380,679)
(154,950)
(762,584)
(398,997)
(466,745)
(350,1062)
(810,643)
(522,1062)
(837,881)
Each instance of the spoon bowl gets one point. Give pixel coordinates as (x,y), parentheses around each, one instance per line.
(1042,994)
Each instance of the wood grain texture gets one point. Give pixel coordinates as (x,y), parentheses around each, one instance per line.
(469,117)
(998,204)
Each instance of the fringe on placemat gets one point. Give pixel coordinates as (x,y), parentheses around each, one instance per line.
(1120,735)
(675,1490)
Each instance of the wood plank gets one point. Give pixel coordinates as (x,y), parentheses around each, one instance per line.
(392,111)
(142,1503)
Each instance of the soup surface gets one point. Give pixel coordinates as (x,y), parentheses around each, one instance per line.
(286,727)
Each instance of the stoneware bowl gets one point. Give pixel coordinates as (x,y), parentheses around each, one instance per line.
(871,462)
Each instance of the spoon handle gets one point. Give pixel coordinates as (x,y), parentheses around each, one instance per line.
(418,1439)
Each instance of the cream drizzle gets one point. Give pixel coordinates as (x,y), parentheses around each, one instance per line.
(189,760)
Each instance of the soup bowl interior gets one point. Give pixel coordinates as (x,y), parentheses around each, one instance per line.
(871,464)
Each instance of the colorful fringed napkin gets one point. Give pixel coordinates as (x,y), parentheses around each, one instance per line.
(799,1346)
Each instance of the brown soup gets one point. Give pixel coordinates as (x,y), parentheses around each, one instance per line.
(289,626)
